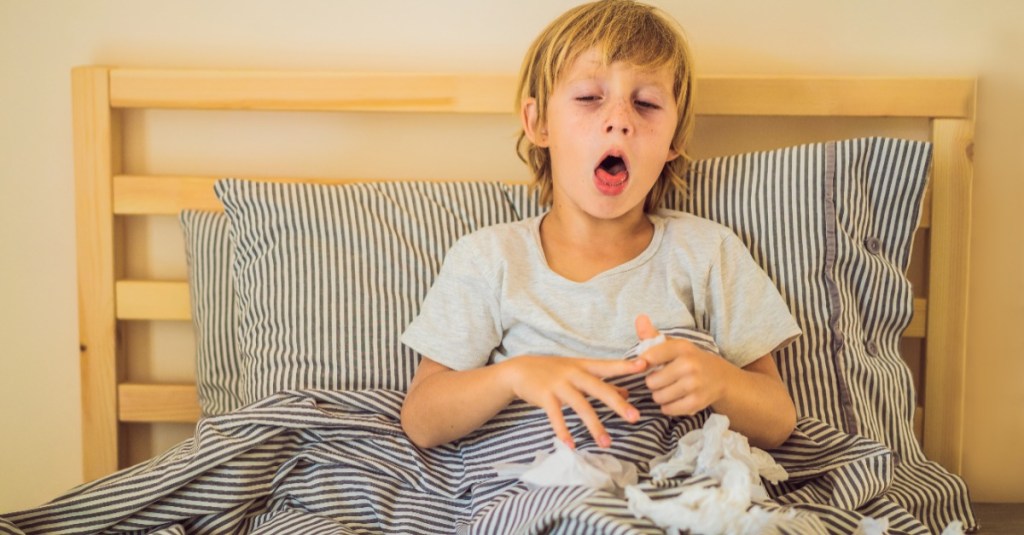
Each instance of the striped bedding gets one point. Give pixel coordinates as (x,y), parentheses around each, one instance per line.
(311,461)
(316,461)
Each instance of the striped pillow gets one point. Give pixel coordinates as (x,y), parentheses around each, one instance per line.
(208,254)
(327,276)
(832,224)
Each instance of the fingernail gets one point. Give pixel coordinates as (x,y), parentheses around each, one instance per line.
(604,441)
(632,415)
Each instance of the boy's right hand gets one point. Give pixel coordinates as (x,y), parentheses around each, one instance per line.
(552,382)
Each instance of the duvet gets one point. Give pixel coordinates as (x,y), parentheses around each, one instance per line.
(338,462)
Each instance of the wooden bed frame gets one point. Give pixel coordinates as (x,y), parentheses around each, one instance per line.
(105,198)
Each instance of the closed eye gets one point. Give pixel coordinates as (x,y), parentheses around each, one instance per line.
(648,105)
(588,98)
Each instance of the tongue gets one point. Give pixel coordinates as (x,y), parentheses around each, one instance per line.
(610,184)
(614,166)
(613,176)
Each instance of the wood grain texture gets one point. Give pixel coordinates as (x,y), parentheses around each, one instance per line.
(158,403)
(153,300)
(835,96)
(946,345)
(96,146)
(169,195)
(309,91)
(495,93)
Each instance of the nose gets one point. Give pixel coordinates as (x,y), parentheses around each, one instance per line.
(618,119)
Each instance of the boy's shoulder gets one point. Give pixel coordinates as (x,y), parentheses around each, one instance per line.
(686,226)
(495,242)
(500,232)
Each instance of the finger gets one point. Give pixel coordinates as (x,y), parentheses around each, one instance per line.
(687,406)
(673,372)
(623,393)
(609,395)
(613,368)
(589,417)
(672,392)
(671,350)
(644,327)
(554,412)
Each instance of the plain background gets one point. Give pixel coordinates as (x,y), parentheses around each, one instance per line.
(41,40)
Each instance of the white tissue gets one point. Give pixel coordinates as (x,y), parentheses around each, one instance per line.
(566,466)
(644,345)
(955,527)
(727,457)
(712,451)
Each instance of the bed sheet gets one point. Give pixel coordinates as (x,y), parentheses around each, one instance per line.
(317,461)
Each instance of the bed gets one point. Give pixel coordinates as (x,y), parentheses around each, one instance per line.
(932,346)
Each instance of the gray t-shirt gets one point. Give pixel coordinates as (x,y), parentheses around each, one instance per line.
(495,297)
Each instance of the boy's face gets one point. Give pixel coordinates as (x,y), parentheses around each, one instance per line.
(609,131)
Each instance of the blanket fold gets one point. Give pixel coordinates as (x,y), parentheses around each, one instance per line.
(338,462)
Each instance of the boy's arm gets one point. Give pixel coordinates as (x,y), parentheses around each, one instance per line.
(443,405)
(769,409)
(753,397)
(758,404)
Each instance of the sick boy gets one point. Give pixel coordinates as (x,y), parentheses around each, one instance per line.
(544,309)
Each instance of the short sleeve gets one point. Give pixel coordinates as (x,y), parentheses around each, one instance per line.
(459,322)
(748,317)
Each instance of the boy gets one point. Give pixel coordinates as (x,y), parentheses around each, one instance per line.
(606,107)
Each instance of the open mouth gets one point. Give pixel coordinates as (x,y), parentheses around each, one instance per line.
(611,175)
(614,167)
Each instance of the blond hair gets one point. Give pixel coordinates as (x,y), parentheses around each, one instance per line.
(621,30)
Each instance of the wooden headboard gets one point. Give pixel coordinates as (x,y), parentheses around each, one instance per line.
(106,198)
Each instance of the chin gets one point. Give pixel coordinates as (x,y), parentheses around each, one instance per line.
(613,209)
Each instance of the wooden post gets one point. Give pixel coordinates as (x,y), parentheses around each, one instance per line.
(97,158)
(946,346)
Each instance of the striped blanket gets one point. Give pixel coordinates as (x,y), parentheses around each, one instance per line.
(338,462)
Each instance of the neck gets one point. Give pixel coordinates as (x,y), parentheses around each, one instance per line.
(579,248)
(588,230)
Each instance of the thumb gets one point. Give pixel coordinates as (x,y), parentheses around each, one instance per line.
(644,328)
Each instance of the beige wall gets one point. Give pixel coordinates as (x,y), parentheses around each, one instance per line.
(41,40)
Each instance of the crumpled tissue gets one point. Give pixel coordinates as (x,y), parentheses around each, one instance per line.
(566,466)
(726,457)
(713,451)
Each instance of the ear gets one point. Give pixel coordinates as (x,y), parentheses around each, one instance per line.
(536,133)
(672,155)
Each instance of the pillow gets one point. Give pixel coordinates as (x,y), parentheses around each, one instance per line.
(832,224)
(208,254)
(328,276)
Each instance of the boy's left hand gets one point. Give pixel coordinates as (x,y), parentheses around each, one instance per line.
(689,380)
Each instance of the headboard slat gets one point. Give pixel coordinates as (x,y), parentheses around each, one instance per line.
(158,403)
(320,91)
(152,300)
(169,195)
(490,93)
(835,97)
